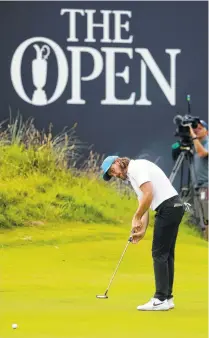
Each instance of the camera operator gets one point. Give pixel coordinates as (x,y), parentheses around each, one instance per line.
(193,146)
(200,140)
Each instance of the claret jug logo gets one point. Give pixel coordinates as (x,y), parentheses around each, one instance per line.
(39,70)
(104,59)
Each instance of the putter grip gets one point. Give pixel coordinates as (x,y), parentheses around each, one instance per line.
(130,239)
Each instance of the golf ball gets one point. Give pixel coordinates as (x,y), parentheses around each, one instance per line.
(14,326)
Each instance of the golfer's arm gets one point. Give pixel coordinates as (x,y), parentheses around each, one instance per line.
(145,220)
(146,200)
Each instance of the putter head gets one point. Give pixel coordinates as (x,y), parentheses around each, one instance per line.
(102,296)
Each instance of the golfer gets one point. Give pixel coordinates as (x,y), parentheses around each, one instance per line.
(154,191)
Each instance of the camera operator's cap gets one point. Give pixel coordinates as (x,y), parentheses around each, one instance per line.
(108,161)
(204,124)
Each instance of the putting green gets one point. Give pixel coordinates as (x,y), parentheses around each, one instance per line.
(50,278)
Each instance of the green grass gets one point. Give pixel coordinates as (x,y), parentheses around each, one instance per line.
(51,274)
(34,188)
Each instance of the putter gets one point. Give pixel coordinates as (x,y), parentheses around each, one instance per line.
(105,296)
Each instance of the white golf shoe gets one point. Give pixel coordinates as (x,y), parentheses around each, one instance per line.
(171,303)
(154,305)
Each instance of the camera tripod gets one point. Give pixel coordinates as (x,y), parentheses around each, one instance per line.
(190,192)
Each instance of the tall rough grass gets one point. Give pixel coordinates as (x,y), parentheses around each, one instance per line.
(65,147)
(40,180)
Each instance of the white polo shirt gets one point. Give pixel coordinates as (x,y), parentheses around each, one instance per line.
(142,171)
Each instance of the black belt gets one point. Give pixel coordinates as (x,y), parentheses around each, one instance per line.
(173,198)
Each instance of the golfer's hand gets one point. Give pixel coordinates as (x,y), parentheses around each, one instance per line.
(137,236)
(136,224)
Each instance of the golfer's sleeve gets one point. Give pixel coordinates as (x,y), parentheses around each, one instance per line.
(140,174)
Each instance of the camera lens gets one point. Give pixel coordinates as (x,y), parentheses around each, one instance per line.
(194,124)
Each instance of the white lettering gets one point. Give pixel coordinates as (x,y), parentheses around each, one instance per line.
(105,25)
(76,71)
(72,22)
(168,90)
(119,26)
(143,99)
(110,76)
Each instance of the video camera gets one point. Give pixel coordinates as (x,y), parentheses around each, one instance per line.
(183,123)
(183,131)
